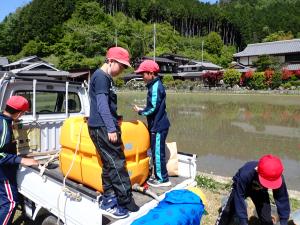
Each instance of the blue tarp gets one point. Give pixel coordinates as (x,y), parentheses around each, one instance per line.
(179,207)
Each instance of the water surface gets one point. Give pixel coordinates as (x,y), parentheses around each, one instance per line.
(227,130)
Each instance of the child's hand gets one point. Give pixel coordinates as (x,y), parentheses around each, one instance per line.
(29,162)
(112,137)
(136,108)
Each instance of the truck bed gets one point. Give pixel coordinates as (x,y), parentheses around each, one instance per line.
(54,172)
(47,193)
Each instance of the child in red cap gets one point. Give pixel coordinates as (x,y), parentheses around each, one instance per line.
(9,160)
(158,122)
(105,132)
(253,180)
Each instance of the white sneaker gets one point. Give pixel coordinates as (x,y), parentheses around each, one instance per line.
(157,183)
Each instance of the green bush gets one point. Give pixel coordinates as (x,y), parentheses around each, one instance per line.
(287,85)
(178,83)
(276,80)
(295,83)
(257,82)
(231,77)
(294,78)
(119,82)
(167,79)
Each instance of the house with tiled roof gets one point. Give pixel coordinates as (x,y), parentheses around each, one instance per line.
(23,62)
(287,52)
(32,66)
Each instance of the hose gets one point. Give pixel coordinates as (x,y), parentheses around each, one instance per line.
(136,187)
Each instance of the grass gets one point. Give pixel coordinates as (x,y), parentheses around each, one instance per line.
(295,204)
(211,184)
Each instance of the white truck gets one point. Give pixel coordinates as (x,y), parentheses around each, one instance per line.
(49,197)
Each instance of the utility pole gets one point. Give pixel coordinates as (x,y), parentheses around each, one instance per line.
(154,41)
(116,37)
(202,51)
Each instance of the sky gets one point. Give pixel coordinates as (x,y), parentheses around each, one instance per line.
(10,6)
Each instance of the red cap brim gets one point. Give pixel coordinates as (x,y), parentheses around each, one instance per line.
(139,71)
(274,184)
(123,62)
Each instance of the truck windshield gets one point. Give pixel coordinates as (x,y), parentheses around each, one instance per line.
(52,102)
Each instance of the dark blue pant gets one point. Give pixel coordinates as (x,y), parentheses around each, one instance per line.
(261,201)
(158,152)
(8,201)
(115,178)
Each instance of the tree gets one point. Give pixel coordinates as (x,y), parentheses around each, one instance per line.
(212,78)
(70,60)
(213,43)
(34,47)
(265,62)
(279,36)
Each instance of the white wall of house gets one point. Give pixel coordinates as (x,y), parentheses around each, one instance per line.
(248,61)
(243,61)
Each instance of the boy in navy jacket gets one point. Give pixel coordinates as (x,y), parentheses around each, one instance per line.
(253,180)
(158,122)
(105,132)
(9,161)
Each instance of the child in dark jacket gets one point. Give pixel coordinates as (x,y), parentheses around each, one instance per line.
(158,122)
(253,180)
(9,161)
(105,132)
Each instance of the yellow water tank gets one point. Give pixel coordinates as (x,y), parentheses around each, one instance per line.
(87,165)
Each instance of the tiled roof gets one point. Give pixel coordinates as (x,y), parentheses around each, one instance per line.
(201,64)
(271,48)
(160,59)
(35,66)
(27,61)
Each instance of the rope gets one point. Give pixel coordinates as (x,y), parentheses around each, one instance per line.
(65,190)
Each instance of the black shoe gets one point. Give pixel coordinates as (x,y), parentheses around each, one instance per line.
(157,183)
(131,206)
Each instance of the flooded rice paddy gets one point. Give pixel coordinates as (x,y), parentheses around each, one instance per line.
(227,130)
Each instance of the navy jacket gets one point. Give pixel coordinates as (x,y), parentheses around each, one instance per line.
(155,109)
(244,184)
(9,161)
(102,84)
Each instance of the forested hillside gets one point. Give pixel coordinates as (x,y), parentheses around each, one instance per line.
(76,33)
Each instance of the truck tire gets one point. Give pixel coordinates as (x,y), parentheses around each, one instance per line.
(51,220)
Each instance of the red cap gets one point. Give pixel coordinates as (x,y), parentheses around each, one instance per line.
(18,103)
(148,66)
(269,171)
(119,54)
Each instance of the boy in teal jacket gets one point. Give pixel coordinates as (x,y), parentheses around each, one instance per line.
(158,122)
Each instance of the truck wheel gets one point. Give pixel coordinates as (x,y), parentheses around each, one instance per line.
(51,220)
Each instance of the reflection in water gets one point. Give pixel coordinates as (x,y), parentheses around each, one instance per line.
(271,130)
(227,130)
